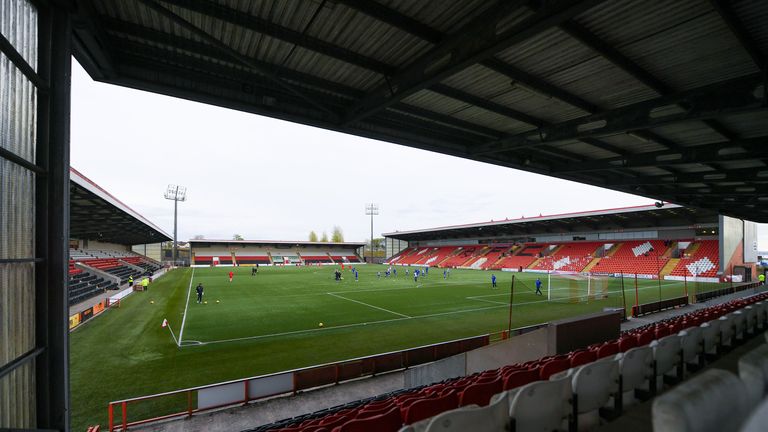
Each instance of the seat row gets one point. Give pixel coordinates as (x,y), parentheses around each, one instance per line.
(718,400)
(573,391)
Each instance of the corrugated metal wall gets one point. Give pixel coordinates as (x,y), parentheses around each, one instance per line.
(18,107)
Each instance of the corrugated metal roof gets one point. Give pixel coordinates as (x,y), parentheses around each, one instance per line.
(478,79)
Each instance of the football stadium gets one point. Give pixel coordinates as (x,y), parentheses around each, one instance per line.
(649,317)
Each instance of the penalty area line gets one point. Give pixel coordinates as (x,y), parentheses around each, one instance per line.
(184,318)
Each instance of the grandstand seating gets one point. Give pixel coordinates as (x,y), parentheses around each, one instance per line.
(263,259)
(338,259)
(395,259)
(515,262)
(115,267)
(435,255)
(705,261)
(571,257)
(635,257)
(492,256)
(532,249)
(316,259)
(579,387)
(416,255)
(462,256)
(84,285)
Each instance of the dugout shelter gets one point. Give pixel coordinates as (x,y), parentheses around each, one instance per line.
(663,99)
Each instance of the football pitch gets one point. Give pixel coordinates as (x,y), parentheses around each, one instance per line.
(271,322)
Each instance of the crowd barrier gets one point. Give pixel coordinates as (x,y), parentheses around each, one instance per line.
(81,317)
(657,306)
(187,402)
(725,291)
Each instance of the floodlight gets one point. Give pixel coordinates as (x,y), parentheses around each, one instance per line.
(175,193)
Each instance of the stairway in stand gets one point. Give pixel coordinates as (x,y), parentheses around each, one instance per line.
(667,269)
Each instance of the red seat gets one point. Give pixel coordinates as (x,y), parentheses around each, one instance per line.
(520,378)
(583,357)
(553,366)
(426,408)
(661,331)
(645,338)
(480,393)
(608,349)
(627,343)
(389,421)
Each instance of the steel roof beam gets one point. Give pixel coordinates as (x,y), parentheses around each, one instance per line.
(725,10)
(721,176)
(471,44)
(740,95)
(746,149)
(265,27)
(236,55)
(395,19)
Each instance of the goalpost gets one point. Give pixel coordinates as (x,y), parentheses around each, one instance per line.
(579,287)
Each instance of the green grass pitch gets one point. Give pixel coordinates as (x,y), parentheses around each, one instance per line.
(270,322)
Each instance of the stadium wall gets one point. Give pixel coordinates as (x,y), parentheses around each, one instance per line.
(738,244)
(153,251)
(97,245)
(393,246)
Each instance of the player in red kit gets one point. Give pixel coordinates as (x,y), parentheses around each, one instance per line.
(231,275)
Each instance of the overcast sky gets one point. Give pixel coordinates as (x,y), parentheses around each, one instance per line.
(269,179)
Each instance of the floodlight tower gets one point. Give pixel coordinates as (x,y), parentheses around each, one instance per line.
(372,210)
(175,193)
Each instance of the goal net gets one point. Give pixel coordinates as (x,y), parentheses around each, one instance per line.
(575,288)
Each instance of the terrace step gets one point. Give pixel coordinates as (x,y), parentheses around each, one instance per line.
(590,265)
(667,269)
(615,248)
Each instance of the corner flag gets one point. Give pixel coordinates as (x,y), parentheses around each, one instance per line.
(165,323)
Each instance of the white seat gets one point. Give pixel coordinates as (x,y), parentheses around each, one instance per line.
(666,353)
(739,324)
(714,401)
(753,370)
(726,330)
(636,369)
(711,333)
(757,421)
(760,314)
(751,321)
(491,418)
(593,385)
(541,406)
(692,345)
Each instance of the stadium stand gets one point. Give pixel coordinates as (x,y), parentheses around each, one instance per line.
(570,257)
(435,255)
(84,285)
(515,262)
(462,256)
(316,259)
(414,256)
(703,262)
(635,257)
(583,388)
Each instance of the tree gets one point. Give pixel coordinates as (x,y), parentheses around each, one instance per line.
(237,237)
(312,236)
(324,238)
(198,237)
(338,235)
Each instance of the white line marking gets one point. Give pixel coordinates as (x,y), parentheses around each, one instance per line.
(487,301)
(369,305)
(184,319)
